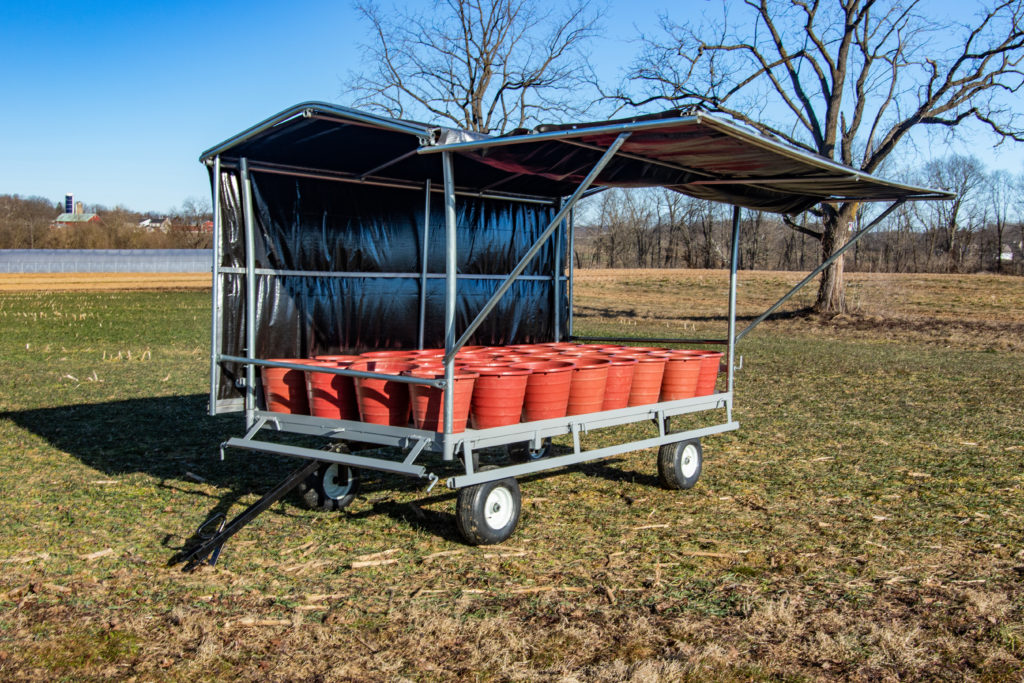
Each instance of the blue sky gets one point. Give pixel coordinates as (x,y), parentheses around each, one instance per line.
(114,101)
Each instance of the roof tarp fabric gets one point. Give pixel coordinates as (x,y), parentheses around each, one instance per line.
(329,228)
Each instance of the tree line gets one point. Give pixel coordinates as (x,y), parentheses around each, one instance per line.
(981,230)
(28,223)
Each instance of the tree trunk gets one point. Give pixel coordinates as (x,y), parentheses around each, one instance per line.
(835,234)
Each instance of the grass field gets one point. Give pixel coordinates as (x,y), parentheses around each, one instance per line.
(865,522)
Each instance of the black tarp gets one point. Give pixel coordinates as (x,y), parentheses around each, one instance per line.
(327,228)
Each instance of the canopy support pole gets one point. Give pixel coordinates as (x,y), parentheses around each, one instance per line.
(572,261)
(423,265)
(556,282)
(734,260)
(250,293)
(828,262)
(529,256)
(450,346)
(218,311)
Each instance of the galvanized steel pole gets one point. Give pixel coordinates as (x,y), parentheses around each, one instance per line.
(250,293)
(733,266)
(423,265)
(215,308)
(451,252)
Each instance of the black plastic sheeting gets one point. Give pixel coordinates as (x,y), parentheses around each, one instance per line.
(331,227)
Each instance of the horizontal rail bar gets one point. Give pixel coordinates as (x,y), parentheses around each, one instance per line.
(439,383)
(576,458)
(651,340)
(338,176)
(235,270)
(583,131)
(362,462)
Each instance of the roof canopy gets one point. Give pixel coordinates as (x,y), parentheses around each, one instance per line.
(696,154)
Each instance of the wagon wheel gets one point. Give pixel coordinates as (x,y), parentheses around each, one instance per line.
(679,464)
(331,487)
(524,452)
(488,513)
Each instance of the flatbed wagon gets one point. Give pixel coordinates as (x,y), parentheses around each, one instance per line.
(340,231)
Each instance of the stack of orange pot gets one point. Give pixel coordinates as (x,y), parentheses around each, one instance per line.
(493,385)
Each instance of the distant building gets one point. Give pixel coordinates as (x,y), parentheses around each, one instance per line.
(70,220)
(155,224)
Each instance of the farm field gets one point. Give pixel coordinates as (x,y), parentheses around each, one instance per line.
(865,522)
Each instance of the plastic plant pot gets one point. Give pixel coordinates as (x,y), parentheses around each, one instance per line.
(709,368)
(620,381)
(392,354)
(646,385)
(284,390)
(332,396)
(682,370)
(381,400)
(428,402)
(589,378)
(498,395)
(547,389)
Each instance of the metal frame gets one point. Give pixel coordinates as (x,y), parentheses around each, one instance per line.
(414,443)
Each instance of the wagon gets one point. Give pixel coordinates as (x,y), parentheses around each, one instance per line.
(338,230)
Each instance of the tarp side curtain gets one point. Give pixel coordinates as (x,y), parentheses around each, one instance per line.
(315,225)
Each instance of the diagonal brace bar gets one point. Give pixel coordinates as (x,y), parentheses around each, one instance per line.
(828,262)
(529,256)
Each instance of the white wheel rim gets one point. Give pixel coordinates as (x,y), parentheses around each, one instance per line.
(336,486)
(689,461)
(498,508)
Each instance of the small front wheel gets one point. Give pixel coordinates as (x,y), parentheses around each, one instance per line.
(331,487)
(524,452)
(679,464)
(488,513)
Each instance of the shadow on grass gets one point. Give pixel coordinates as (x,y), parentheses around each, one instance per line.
(171,438)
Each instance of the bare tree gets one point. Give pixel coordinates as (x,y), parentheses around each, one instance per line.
(482,65)
(1000,189)
(846,79)
(956,223)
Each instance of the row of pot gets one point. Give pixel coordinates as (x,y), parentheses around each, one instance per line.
(493,386)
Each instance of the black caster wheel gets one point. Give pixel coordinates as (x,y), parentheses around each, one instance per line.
(331,487)
(524,452)
(679,464)
(488,513)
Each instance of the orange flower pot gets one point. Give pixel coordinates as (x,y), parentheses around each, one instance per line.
(428,402)
(382,401)
(589,378)
(547,389)
(332,396)
(284,391)
(709,368)
(682,370)
(498,395)
(620,380)
(646,385)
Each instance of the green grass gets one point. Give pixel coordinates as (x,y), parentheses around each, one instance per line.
(864,523)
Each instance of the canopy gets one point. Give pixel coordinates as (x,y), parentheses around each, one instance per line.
(697,154)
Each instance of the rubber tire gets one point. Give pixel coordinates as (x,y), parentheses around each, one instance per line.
(522,452)
(315,491)
(470,512)
(673,465)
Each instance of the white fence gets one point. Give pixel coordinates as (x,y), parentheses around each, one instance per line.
(105,260)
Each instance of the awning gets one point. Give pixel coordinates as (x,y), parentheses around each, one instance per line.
(696,154)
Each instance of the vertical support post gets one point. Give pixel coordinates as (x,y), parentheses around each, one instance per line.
(733,266)
(423,265)
(449,300)
(556,279)
(215,307)
(250,293)
(572,260)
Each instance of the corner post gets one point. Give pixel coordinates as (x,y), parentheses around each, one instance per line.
(733,266)
(451,264)
(250,293)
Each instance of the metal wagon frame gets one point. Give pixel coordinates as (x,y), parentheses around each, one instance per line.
(691,152)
